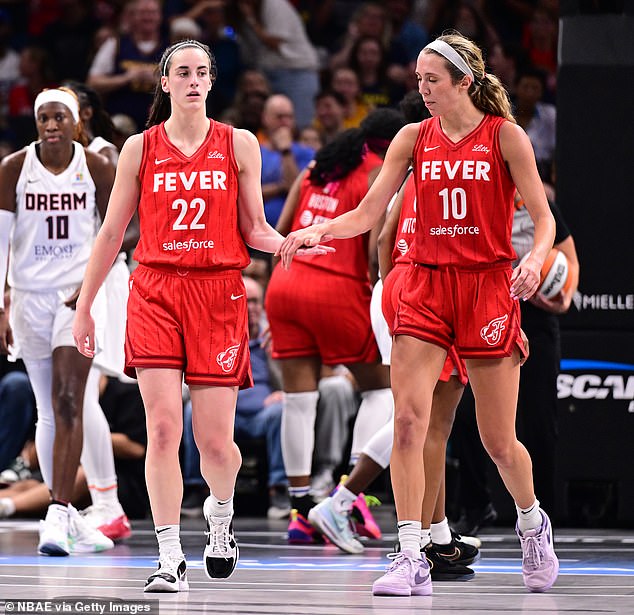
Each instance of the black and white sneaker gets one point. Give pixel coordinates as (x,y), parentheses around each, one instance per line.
(221,551)
(458,551)
(171,575)
(443,569)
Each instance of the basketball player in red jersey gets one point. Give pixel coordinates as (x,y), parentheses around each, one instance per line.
(196,183)
(461,290)
(319,312)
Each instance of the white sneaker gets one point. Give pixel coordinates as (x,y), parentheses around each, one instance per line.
(111,521)
(54,532)
(221,551)
(171,575)
(82,537)
(335,525)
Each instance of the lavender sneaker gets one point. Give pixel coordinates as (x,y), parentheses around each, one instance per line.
(405,576)
(540,565)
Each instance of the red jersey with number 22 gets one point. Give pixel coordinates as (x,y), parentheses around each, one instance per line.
(464,193)
(188,210)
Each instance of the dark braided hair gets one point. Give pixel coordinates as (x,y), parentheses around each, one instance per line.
(100,122)
(161,107)
(345,152)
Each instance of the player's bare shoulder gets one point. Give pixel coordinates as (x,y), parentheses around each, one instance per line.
(514,141)
(246,148)
(98,164)
(10,169)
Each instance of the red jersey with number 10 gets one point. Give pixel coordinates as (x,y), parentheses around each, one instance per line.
(464,193)
(188,211)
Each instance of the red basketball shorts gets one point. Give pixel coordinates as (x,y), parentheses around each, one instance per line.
(471,309)
(191,320)
(392,285)
(314,313)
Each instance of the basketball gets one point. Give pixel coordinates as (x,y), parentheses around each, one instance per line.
(554,275)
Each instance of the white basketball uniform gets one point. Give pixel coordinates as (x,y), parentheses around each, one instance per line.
(379,326)
(53,233)
(112,358)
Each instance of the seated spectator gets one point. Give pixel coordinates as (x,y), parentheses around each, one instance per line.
(17,410)
(330,108)
(369,61)
(537,118)
(371,20)
(310,137)
(248,104)
(124,68)
(346,82)
(282,157)
(505,60)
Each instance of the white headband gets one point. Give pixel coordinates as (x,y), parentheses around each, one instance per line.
(447,51)
(58,96)
(178,48)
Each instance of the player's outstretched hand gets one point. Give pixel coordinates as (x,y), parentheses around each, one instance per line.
(304,241)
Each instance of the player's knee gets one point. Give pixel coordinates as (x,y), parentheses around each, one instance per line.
(164,435)
(501,451)
(218,451)
(409,429)
(67,408)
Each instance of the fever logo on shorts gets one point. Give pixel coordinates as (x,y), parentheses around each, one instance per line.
(492,333)
(227,358)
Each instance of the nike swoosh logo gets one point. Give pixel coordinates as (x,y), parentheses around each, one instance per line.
(456,553)
(428,149)
(234,297)
(157,161)
(163,530)
(420,578)
(32,181)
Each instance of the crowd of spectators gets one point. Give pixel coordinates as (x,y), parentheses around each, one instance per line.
(302,49)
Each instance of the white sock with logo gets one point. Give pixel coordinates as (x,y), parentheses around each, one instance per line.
(409,533)
(529,518)
(169,541)
(425,537)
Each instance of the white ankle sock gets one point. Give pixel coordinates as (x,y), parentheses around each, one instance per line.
(529,518)
(425,537)
(409,533)
(220,508)
(169,541)
(440,532)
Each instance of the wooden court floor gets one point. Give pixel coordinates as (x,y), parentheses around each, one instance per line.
(597,576)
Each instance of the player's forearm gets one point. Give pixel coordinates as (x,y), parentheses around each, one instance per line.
(263,237)
(104,252)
